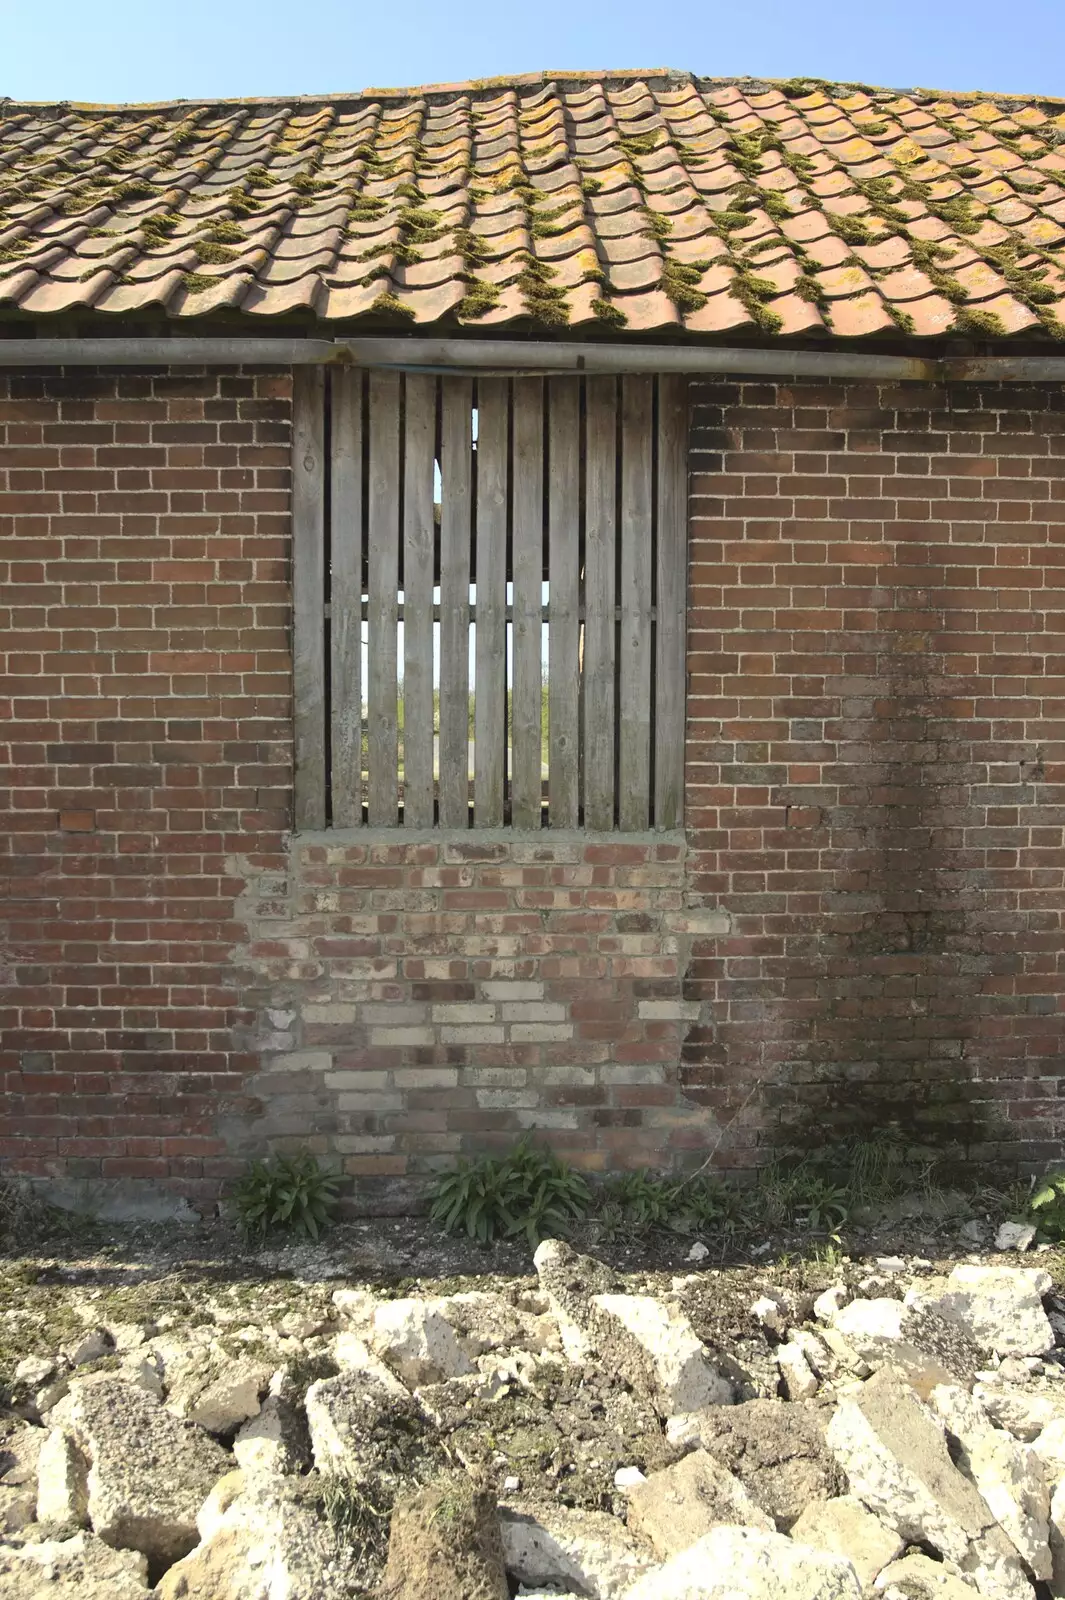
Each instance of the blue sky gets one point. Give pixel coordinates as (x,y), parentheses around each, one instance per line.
(132,50)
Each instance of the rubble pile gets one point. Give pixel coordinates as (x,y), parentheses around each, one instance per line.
(901,1438)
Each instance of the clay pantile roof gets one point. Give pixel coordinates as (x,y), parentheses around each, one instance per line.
(652,203)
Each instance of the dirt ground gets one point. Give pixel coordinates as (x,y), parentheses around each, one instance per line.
(205,1272)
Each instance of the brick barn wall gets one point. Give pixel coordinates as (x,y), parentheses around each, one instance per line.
(863,923)
(876,762)
(146,740)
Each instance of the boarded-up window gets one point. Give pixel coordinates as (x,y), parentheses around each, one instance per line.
(490,593)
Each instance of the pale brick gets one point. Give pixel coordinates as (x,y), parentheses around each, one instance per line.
(327,1011)
(635,1072)
(541,1118)
(364,1144)
(496,1077)
(426,1077)
(558,849)
(704,922)
(467,1011)
(299,1061)
(377,1101)
(357,1079)
(512,989)
(393,1037)
(506,1099)
(569,1077)
(471,1035)
(534,1011)
(669,1010)
(540,1032)
(391,1014)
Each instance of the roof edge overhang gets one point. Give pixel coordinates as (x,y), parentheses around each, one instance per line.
(428,354)
(524,80)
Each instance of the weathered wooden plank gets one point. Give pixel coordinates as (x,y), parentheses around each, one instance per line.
(634,679)
(346,545)
(599,599)
(671,598)
(527,503)
(490,706)
(308,581)
(383,538)
(564,601)
(419,450)
(456,505)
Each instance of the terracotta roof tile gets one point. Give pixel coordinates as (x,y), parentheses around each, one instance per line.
(643,201)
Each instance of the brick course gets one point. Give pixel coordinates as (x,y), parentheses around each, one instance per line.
(864,921)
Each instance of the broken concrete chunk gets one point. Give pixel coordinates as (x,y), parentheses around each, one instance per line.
(569,1280)
(275,1441)
(417,1342)
(1049,1447)
(917,1577)
(18,1507)
(1007,1474)
(19,1453)
(483,1321)
(224,1493)
(1024,1412)
(829,1303)
(673,1508)
(355,1308)
(266,1544)
(82,1568)
(746,1564)
(92,1346)
(62,1481)
(844,1527)
(1000,1307)
(777,1450)
(589,1551)
(230,1398)
(149,1471)
(895,1455)
(342,1413)
(1014,1236)
(800,1382)
(655,1347)
(770,1313)
(865,1321)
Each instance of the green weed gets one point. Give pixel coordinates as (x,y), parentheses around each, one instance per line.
(285,1192)
(530,1190)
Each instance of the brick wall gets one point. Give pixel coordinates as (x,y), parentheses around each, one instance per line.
(864,922)
(876,761)
(419,997)
(146,743)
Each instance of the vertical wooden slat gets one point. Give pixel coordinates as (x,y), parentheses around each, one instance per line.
(383,535)
(634,744)
(670,665)
(456,459)
(490,701)
(346,533)
(527,499)
(599,583)
(564,600)
(308,580)
(419,445)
